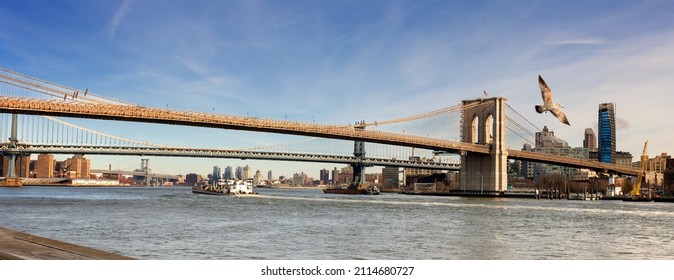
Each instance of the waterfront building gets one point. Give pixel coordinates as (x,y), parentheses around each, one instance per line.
(344,176)
(335,176)
(547,138)
(373,178)
(417,172)
(546,169)
(217,173)
(606,145)
(590,141)
(21,166)
(229,174)
(45,165)
(623,158)
(192,179)
(299,179)
(548,143)
(527,167)
(324,176)
(258,178)
(239,172)
(270,176)
(657,164)
(246,172)
(668,177)
(78,166)
(391,177)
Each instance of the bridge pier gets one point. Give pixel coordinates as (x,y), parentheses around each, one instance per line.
(358,180)
(12,180)
(483,122)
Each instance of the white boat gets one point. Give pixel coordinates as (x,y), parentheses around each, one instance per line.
(228,187)
(239,187)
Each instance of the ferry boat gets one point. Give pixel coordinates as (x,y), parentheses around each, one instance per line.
(240,187)
(226,187)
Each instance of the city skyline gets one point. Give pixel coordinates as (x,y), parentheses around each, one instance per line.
(331,62)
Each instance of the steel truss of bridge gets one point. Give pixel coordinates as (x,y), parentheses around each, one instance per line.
(220,153)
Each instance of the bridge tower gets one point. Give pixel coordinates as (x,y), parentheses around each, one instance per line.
(483,121)
(12,180)
(145,167)
(358,180)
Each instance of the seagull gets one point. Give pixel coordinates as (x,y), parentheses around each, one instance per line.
(549,104)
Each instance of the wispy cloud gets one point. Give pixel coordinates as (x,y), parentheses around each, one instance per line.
(117,19)
(193,65)
(579,41)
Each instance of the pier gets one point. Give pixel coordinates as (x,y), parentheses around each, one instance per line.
(16,245)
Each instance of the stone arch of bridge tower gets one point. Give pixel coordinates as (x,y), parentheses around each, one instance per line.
(474,129)
(488,129)
(483,123)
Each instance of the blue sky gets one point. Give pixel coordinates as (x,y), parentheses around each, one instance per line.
(337,62)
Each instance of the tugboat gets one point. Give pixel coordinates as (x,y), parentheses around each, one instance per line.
(366,189)
(217,188)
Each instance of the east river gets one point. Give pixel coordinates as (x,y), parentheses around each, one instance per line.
(173,223)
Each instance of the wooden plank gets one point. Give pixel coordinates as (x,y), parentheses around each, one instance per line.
(16,245)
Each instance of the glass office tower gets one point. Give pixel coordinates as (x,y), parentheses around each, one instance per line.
(606,133)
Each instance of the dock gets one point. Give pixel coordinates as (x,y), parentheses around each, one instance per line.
(16,245)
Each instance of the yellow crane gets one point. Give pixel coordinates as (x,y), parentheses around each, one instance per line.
(642,170)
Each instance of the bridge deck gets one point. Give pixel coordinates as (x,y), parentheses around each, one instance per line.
(16,245)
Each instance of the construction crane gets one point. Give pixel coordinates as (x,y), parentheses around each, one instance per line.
(642,170)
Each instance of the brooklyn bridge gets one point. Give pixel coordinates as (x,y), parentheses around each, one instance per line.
(478,131)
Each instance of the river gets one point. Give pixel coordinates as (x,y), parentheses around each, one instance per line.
(172,223)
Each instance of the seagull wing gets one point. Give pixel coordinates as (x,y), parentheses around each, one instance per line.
(545,90)
(560,116)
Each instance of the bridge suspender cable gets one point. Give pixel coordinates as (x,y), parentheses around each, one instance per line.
(79,128)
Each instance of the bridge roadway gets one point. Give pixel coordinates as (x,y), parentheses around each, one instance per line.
(220,153)
(75,109)
(133,173)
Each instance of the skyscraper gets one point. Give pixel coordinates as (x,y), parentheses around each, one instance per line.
(325,176)
(229,174)
(606,133)
(270,176)
(239,172)
(217,173)
(246,173)
(335,176)
(590,141)
(547,138)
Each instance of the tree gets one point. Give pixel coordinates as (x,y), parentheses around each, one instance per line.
(627,185)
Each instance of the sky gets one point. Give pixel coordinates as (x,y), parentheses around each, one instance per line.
(336,62)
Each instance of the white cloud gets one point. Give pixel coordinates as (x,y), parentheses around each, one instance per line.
(579,41)
(117,18)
